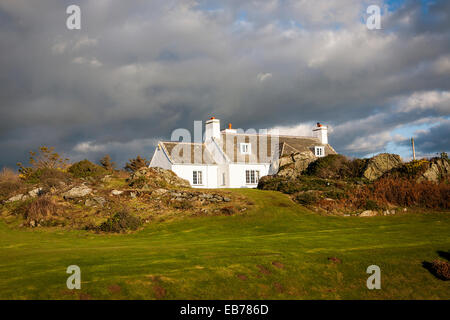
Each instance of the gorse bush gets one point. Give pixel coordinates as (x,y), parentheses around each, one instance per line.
(135,164)
(44,158)
(48,177)
(336,166)
(85,168)
(307,198)
(120,222)
(107,164)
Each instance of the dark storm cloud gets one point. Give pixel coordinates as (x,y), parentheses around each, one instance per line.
(138,69)
(433,141)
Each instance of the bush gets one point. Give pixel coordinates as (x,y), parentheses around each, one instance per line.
(48,176)
(402,192)
(335,166)
(371,205)
(441,269)
(229,210)
(85,168)
(120,221)
(306,198)
(135,164)
(44,158)
(107,164)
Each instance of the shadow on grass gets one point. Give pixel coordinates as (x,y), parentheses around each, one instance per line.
(444,254)
(432,267)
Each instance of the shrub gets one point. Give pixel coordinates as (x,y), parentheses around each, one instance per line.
(134,164)
(85,168)
(402,192)
(44,158)
(48,176)
(371,205)
(107,164)
(229,210)
(441,269)
(306,198)
(335,166)
(138,183)
(120,221)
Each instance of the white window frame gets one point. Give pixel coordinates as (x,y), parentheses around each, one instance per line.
(319,151)
(245,148)
(251,176)
(197,178)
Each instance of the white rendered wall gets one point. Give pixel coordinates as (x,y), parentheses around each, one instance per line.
(209,174)
(237,174)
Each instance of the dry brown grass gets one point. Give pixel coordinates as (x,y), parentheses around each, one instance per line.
(8,175)
(40,208)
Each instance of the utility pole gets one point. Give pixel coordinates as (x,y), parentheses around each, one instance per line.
(413,149)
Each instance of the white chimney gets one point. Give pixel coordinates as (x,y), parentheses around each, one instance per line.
(212,129)
(321,132)
(230,129)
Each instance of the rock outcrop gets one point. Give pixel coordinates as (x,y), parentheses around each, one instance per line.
(380,164)
(439,169)
(292,166)
(154,178)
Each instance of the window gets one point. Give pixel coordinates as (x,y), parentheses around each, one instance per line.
(251,176)
(319,151)
(197,178)
(245,148)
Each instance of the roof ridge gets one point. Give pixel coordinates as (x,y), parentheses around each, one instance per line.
(199,143)
(268,134)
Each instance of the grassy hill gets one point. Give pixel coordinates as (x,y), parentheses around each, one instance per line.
(277,250)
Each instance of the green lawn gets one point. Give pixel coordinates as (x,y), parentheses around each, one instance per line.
(278,250)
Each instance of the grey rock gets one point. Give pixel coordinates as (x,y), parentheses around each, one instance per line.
(77,192)
(380,164)
(35,192)
(116,192)
(368,213)
(18,197)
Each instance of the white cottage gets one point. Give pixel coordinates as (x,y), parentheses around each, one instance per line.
(228,159)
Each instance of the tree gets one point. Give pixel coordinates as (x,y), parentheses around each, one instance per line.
(135,164)
(44,158)
(107,164)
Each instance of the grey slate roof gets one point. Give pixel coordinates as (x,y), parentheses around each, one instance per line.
(187,152)
(262,148)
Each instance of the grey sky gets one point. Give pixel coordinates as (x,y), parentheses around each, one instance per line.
(139,69)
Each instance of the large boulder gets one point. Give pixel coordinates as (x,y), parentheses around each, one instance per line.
(77,192)
(156,178)
(380,164)
(438,169)
(292,166)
